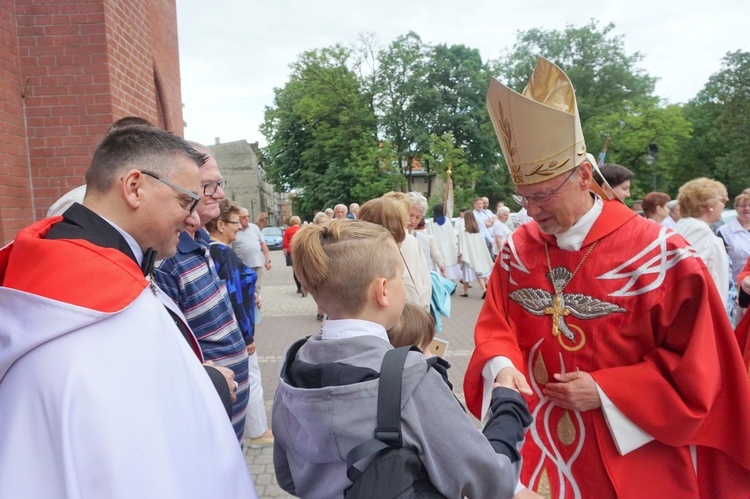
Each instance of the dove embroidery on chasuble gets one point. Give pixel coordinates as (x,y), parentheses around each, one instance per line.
(559,304)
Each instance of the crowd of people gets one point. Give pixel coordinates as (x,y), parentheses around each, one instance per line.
(611,351)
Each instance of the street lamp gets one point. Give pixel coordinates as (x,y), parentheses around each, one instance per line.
(653,149)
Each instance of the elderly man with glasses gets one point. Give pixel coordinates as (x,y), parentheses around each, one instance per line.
(608,323)
(99,393)
(190,279)
(251,247)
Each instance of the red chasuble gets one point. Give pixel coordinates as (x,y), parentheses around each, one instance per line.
(743,328)
(638,316)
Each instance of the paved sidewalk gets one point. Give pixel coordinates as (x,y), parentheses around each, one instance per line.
(287,316)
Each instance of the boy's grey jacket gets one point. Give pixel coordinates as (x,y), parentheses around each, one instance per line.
(315,428)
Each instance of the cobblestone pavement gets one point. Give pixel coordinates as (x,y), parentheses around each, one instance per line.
(287,316)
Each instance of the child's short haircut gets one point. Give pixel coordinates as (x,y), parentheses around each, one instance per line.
(415,327)
(337,262)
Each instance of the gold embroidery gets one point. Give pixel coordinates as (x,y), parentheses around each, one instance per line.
(566,431)
(544,488)
(560,277)
(540,371)
(561,305)
(507,135)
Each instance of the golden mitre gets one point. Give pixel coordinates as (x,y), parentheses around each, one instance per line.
(539,130)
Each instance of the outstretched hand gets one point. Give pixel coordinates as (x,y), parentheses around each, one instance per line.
(510,377)
(527,494)
(574,390)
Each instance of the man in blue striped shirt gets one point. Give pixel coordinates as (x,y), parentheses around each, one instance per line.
(190,279)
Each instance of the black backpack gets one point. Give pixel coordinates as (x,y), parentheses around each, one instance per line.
(395,471)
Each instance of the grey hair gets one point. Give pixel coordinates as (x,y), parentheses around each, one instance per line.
(418,201)
(319,216)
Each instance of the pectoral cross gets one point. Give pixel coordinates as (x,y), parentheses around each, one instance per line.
(557,311)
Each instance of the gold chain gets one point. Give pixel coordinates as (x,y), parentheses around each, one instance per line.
(549,264)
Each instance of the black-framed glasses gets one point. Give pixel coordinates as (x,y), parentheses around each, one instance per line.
(541,197)
(194,198)
(233,222)
(210,188)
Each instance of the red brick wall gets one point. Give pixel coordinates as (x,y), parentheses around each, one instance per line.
(164,38)
(15,205)
(145,68)
(84,63)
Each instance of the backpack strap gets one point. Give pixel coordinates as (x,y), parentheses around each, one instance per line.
(388,430)
(389,397)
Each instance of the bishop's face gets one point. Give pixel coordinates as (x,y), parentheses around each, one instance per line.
(569,201)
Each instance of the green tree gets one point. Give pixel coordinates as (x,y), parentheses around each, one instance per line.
(631,130)
(444,154)
(321,133)
(720,117)
(460,78)
(604,76)
(403,100)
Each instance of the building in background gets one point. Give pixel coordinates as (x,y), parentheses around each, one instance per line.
(420,180)
(69,69)
(241,166)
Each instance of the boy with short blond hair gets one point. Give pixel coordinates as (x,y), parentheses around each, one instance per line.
(326,402)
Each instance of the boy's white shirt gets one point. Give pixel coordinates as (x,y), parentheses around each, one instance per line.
(337,329)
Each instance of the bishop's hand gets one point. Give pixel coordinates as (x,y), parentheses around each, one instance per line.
(510,377)
(575,390)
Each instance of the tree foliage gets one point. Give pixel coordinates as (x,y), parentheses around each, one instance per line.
(320,131)
(445,155)
(719,113)
(403,101)
(632,130)
(350,124)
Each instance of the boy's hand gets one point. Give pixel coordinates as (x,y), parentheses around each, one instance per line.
(527,494)
(510,377)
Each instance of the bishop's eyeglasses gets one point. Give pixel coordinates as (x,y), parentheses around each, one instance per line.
(541,197)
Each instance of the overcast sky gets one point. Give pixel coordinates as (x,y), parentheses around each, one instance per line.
(233,53)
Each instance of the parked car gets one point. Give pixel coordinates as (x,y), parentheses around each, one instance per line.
(274,237)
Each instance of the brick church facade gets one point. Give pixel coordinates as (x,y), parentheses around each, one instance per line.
(69,69)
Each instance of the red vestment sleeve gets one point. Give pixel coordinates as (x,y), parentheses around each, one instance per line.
(745,272)
(493,337)
(688,389)
(742,331)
